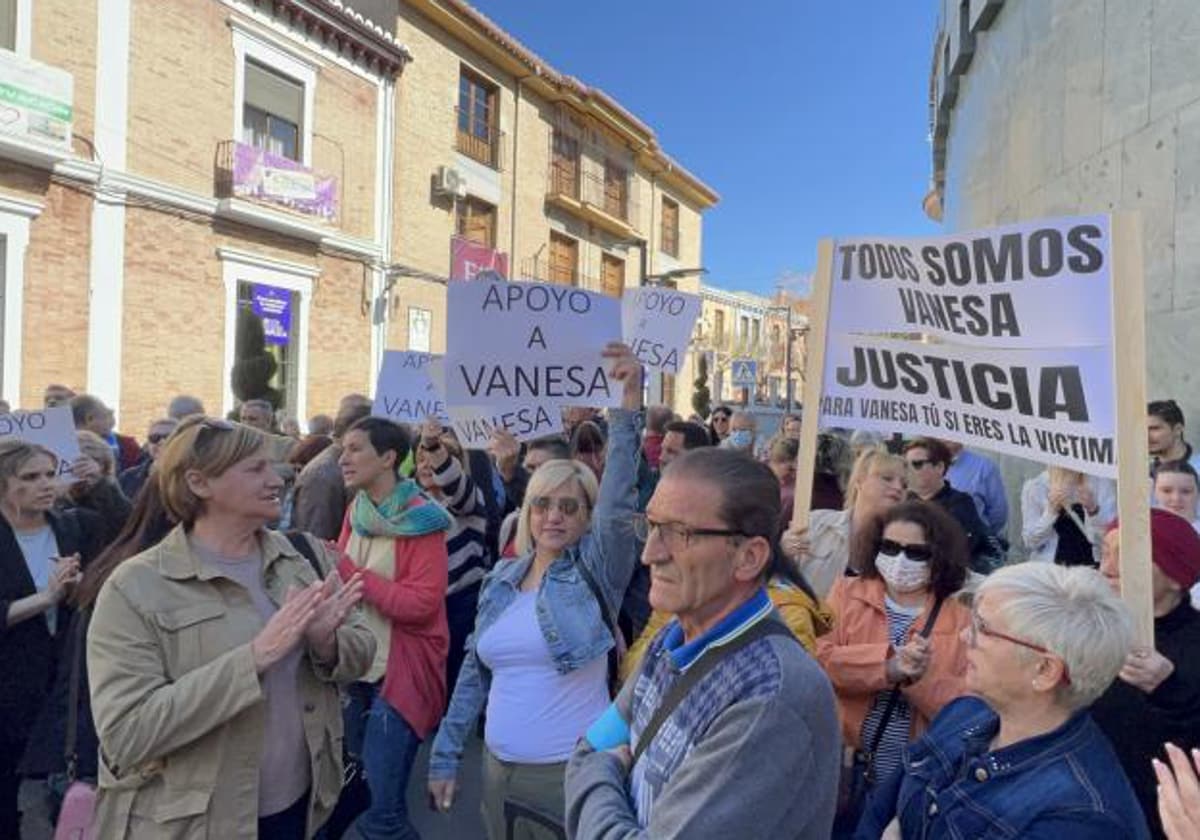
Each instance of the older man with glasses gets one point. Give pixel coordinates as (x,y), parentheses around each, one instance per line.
(133,479)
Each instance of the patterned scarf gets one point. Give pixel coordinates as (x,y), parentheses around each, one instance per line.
(393,517)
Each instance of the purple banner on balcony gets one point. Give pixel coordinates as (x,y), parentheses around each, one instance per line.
(274,307)
(279,180)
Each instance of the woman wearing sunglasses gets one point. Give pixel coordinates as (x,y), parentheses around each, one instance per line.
(538,659)
(1023,757)
(214,659)
(891,669)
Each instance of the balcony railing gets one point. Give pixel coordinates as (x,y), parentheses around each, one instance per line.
(244,171)
(612,197)
(482,143)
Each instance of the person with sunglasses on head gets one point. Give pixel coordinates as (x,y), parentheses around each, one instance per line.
(539,659)
(823,551)
(895,655)
(728,729)
(214,658)
(1156,696)
(1023,756)
(133,479)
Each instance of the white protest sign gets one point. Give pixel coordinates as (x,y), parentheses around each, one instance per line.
(1052,406)
(657,324)
(404,392)
(1034,284)
(474,424)
(53,428)
(514,345)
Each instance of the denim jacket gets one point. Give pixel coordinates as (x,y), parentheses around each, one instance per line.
(570,619)
(1064,785)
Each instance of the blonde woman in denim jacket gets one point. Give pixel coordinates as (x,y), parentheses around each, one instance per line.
(541,697)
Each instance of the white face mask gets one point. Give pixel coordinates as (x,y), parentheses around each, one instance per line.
(901,574)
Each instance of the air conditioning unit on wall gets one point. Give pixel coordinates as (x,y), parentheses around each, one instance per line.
(449,181)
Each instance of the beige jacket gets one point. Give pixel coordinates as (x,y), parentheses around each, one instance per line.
(178,704)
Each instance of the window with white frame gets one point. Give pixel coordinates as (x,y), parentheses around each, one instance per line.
(274,92)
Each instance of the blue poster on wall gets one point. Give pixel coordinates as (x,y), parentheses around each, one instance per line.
(274,306)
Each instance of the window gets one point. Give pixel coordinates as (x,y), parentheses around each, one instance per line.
(719,325)
(669,235)
(745,331)
(8,24)
(616,190)
(475,220)
(755,333)
(612,275)
(477,119)
(564,165)
(277,311)
(667,392)
(272,111)
(564,260)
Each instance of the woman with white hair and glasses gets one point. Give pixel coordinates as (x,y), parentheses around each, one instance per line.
(1023,758)
(538,660)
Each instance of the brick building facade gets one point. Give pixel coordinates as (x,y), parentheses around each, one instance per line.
(315,164)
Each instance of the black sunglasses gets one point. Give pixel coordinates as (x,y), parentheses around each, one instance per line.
(918,552)
(920,463)
(157,437)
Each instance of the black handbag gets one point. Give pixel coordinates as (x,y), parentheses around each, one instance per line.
(858,770)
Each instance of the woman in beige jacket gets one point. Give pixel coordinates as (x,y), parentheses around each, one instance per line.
(214,656)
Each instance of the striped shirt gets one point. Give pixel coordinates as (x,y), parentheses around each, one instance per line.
(895,737)
(466,541)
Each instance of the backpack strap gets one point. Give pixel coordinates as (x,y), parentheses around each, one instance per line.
(699,669)
(301,543)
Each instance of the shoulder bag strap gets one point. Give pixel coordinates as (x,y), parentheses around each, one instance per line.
(79,640)
(605,613)
(894,698)
(300,542)
(698,670)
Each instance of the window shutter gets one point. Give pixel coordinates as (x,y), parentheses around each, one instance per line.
(273,93)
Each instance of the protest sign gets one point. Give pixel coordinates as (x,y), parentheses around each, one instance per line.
(474,424)
(470,260)
(515,345)
(53,428)
(1053,406)
(1034,284)
(404,391)
(657,325)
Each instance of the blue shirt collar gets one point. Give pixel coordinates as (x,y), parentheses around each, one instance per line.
(682,654)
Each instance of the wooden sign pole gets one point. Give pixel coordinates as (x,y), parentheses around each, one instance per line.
(814,382)
(1133,455)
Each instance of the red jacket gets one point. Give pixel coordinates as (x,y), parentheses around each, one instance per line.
(652,449)
(130,452)
(415,602)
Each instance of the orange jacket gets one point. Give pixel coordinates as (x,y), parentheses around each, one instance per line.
(853,655)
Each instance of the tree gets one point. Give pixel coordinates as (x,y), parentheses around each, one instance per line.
(253,366)
(701,400)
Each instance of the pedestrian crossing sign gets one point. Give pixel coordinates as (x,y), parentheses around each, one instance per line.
(745,372)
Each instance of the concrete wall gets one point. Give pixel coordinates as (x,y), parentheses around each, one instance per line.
(1082,106)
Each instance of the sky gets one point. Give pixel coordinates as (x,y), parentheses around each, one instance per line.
(809,117)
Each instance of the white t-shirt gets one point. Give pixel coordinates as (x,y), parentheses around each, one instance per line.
(535,714)
(39,549)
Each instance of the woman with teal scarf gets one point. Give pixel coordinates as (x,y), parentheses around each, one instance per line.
(395,537)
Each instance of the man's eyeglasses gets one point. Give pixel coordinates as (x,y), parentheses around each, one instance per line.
(918,552)
(675,535)
(567,505)
(157,437)
(920,463)
(978,627)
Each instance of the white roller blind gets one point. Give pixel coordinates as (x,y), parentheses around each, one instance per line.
(8,24)
(271,92)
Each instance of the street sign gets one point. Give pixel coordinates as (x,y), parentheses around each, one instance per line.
(745,373)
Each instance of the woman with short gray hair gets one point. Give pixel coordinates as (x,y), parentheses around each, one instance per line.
(1023,757)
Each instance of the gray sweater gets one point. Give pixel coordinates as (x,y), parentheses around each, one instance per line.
(754,750)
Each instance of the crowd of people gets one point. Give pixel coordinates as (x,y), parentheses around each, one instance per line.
(235,629)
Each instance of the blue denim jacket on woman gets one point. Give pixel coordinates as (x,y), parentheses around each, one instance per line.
(570,619)
(1064,785)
